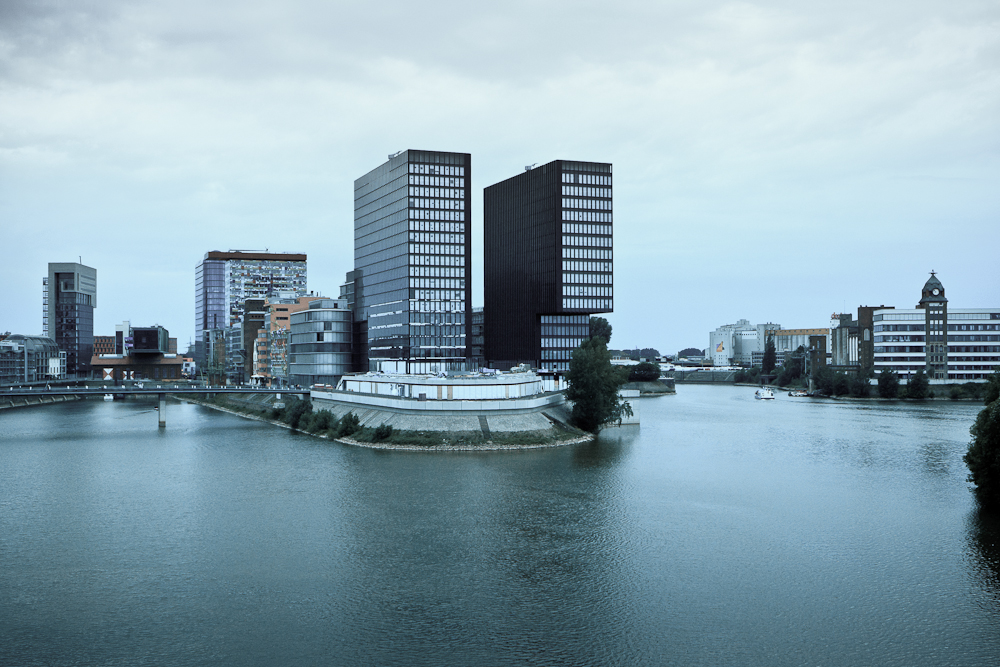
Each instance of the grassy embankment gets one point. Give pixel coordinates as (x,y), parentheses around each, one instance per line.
(299,415)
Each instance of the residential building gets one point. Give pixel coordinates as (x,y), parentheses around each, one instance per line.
(224,281)
(949,344)
(70,296)
(548,263)
(271,363)
(320,343)
(412,256)
(30,359)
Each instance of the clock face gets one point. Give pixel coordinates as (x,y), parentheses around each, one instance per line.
(935,291)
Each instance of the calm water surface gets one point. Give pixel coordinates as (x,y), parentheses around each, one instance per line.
(724,531)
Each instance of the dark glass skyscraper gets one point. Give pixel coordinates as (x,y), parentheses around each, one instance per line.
(70,299)
(548,262)
(411,262)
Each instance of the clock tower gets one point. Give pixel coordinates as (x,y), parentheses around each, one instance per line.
(935,307)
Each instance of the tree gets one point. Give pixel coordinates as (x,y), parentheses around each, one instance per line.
(593,386)
(888,384)
(917,387)
(983,457)
(644,372)
(770,356)
(690,352)
(992,387)
(859,385)
(600,328)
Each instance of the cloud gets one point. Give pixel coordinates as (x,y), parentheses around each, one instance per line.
(734,126)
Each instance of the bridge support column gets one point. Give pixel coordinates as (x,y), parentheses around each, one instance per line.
(163,410)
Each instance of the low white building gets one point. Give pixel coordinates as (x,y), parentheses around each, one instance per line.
(950,345)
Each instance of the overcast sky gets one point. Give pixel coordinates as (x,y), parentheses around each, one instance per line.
(772,161)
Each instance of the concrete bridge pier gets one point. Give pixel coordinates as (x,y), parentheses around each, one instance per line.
(163,410)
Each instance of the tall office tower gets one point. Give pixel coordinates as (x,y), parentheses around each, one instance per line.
(224,280)
(548,262)
(70,296)
(411,262)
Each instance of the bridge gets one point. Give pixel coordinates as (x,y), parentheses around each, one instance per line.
(147,389)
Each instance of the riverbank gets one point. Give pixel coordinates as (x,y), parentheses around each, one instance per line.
(874,397)
(27,402)
(559,433)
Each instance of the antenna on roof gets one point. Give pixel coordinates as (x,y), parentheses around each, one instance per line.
(530,166)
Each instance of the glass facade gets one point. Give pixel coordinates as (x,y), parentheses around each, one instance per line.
(70,295)
(320,343)
(411,260)
(549,261)
(224,281)
(561,334)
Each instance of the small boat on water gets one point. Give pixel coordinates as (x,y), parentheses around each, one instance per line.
(764,394)
(109,397)
(799,392)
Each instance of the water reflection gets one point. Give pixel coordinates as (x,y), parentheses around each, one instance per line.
(984,550)
(722,531)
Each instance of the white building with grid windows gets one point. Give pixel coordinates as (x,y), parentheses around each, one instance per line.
(951,345)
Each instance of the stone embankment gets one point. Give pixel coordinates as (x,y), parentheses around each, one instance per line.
(659,387)
(27,401)
(424,432)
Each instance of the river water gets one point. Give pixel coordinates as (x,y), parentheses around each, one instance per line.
(724,531)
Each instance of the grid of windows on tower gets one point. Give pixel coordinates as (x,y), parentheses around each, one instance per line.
(437,241)
(560,335)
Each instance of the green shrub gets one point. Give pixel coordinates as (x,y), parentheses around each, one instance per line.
(320,421)
(644,372)
(382,432)
(983,457)
(955,392)
(295,411)
(349,424)
(888,384)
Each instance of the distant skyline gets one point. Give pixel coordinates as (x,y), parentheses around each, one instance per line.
(772,161)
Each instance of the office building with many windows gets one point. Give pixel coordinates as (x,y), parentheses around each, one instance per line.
(224,281)
(548,262)
(949,344)
(410,286)
(69,295)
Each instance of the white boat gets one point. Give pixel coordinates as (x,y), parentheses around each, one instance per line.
(764,394)
(109,397)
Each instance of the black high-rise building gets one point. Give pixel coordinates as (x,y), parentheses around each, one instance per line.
(548,262)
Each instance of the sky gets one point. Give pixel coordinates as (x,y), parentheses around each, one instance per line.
(774,161)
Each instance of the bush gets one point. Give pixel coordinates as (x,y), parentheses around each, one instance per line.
(955,392)
(983,457)
(295,411)
(320,421)
(859,385)
(382,432)
(918,387)
(992,389)
(888,384)
(644,372)
(348,425)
